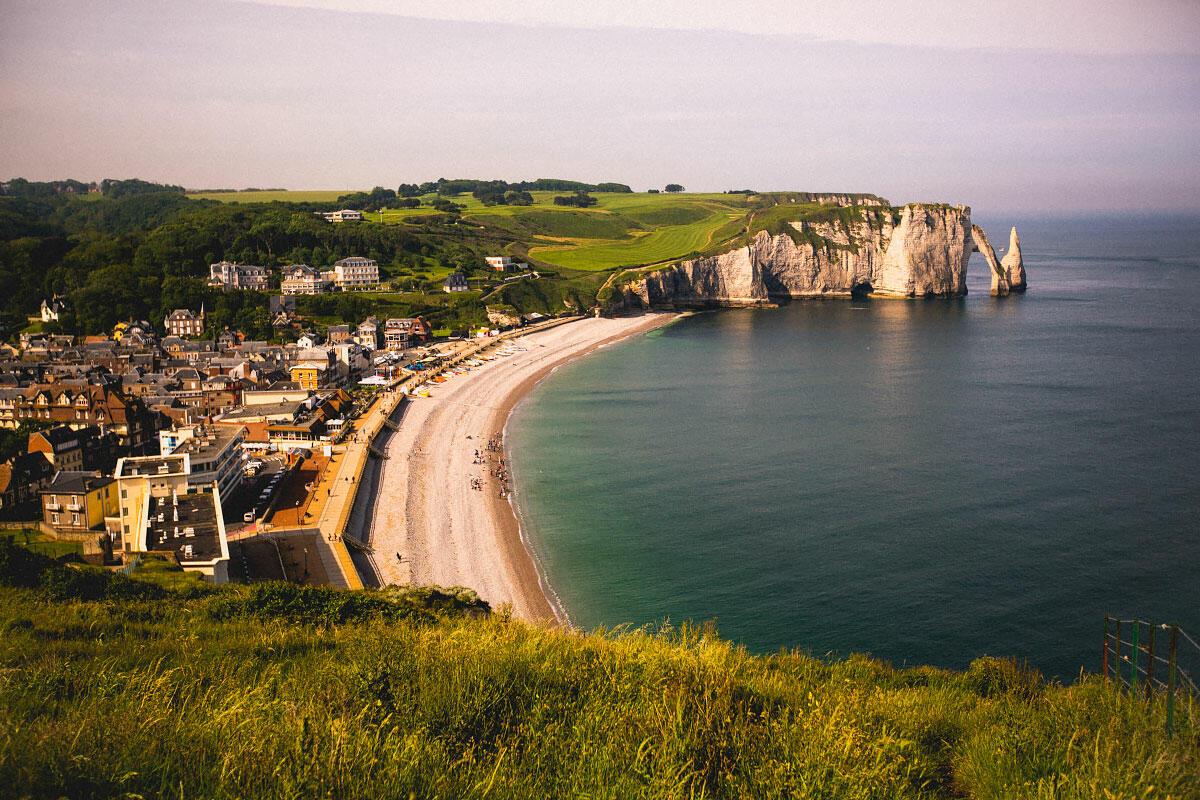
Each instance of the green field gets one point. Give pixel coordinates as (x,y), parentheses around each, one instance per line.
(621,230)
(305,196)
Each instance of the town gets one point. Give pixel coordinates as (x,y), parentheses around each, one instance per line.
(226,455)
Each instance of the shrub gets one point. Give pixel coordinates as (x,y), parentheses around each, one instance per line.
(993,677)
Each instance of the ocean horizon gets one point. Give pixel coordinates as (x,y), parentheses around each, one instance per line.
(927,481)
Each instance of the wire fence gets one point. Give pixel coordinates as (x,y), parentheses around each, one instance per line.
(1153,658)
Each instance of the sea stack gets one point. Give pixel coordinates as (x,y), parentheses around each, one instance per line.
(1014,265)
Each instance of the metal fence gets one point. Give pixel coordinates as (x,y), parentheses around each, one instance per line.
(1153,658)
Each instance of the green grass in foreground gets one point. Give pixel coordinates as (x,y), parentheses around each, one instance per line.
(39,542)
(282,691)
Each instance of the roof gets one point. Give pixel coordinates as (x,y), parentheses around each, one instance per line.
(150,466)
(186,520)
(24,468)
(58,436)
(77,482)
(212,440)
(286,409)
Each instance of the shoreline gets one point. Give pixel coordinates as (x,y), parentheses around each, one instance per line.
(424,509)
(533,583)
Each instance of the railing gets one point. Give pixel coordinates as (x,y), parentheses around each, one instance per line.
(1150,658)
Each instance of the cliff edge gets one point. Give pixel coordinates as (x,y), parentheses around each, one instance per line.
(788,252)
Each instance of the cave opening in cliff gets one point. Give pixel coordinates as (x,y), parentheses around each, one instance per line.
(861,289)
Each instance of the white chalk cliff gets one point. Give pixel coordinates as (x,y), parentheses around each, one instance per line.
(918,250)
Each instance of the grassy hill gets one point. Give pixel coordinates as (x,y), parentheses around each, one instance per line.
(157,685)
(577,249)
(621,230)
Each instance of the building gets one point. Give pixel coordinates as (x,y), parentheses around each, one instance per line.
(182,322)
(214,454)
(310,375)
(505,264)
(282,304)
(21,478)
(161,511)
(295,421)
(338,334)
(229,275)
(52,309)
(77,501)
(79,405)
(302,279)
(456,282)
(65,446)
(400,334)
(345,215)
(356,274)
(369,333)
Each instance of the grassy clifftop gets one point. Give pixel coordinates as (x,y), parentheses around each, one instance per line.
(272,691)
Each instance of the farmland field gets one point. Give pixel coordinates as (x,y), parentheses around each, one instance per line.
(661,244)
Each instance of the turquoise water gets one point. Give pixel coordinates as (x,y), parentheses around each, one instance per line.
(925,481)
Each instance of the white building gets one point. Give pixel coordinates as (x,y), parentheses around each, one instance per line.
(231,275)
(214,454)
(345,215)
(505,264)
(52,308)
(302,279)
(356,274)
(456,282)
(161,511)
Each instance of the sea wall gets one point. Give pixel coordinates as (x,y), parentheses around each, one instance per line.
(918,250)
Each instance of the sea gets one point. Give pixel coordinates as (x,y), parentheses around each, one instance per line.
(924,481)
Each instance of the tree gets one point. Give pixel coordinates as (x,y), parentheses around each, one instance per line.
(673,187)
(490,193)
(580,199)
(447,206)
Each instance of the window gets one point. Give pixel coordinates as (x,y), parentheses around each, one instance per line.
(54,518)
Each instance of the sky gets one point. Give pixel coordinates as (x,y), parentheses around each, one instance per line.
(1005,106)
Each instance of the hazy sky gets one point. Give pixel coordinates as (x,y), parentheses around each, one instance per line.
(1002,105)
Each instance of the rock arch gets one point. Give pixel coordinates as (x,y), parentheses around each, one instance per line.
(1007,275)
